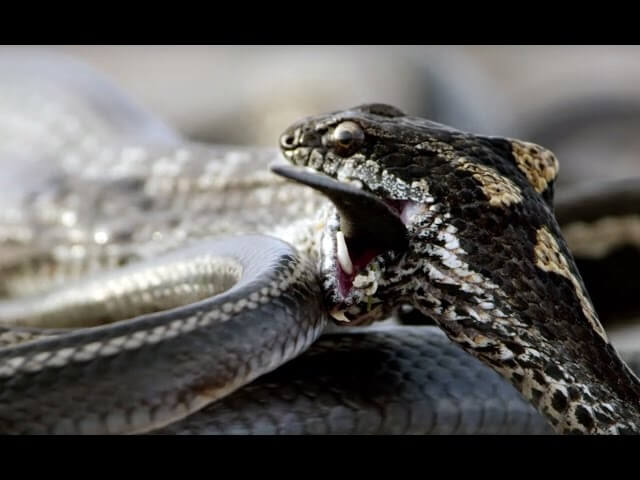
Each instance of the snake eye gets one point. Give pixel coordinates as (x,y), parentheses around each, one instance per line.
(287,140)
(347,137)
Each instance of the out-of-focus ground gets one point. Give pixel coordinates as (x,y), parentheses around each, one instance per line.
(582,102)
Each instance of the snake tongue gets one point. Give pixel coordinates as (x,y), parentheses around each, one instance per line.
(367,222)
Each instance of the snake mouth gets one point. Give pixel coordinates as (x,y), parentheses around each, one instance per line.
(350,262)
(363,228)
(354,254)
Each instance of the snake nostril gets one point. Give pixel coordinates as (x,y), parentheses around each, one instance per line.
(287,140)
(310,139)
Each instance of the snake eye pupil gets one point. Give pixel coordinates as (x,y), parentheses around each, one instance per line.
(287,140)
(347,136)
(344,137)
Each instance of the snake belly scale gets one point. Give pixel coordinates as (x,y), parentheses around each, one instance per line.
(129,307)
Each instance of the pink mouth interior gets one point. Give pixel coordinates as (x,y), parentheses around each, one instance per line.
(361,258)
(359,261)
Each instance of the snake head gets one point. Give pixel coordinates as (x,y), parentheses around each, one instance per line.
(461,226)
(413,198)
(361,161)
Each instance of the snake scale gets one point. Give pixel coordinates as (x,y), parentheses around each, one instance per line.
(151,284)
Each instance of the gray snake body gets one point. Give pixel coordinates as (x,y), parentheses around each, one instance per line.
(138,359)
(168,362)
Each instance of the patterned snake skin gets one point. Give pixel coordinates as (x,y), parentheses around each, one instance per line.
(113,245)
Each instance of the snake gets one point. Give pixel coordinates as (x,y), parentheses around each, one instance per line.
(152,284)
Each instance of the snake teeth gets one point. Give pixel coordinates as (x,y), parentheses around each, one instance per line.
(343,254)
(339,315)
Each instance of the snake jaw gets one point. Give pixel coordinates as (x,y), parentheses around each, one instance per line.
(361,228)
(366,293)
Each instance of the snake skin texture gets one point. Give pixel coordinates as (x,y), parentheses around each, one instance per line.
(376,381)
(485,257)
(393,381)
(113,245)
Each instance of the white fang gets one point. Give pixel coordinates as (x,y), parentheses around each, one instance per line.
(339,316)
(343,254)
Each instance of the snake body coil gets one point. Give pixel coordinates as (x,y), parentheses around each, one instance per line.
(168,362)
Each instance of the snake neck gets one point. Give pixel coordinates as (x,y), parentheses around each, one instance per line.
(558,357)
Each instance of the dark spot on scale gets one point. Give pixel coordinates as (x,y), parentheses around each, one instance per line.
(602,418)
(511,363)
(466,196)
(417,171)
(469,183)
(509,289)
(460,224)
(584,417)
(536,395)
(516,378)
(559,401)
(554,372)
(574,393)
(448,288)
(491,360)
(460,312)
(440,191)
(516,348)
(489,350)
(538,377)
(527,365)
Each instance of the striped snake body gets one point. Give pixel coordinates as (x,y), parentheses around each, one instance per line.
(153,277)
